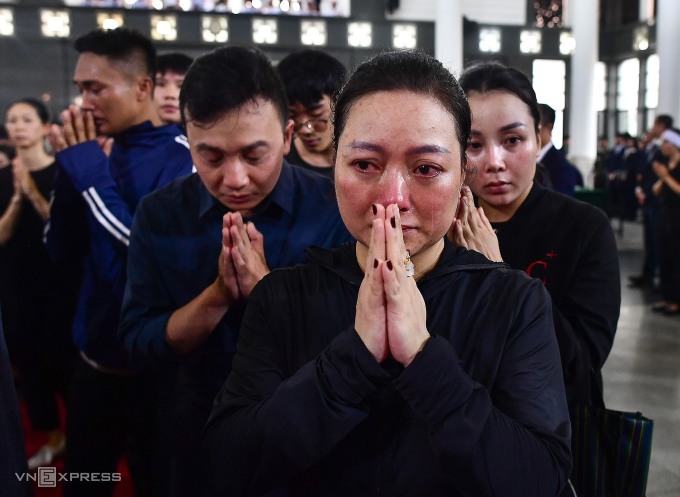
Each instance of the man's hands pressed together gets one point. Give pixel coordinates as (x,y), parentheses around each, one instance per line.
(77,127)
(242,261)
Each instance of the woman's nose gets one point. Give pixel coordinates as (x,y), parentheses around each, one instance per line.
(494,158)
(394,189)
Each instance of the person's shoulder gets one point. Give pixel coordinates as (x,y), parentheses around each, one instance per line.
(497,281)
(311,189)
(566,208)
(292,283)
(323,263)
(178,192)
(308,178)
(558,157)
(172,137)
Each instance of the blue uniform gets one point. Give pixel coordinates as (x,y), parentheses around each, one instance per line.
(94,200)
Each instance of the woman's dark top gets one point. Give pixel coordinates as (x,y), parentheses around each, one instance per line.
(307,410)
(570,246)
(38,297)
(294,158)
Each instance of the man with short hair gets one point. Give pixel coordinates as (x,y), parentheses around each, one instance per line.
(113,151)
(563,174)
(311,78)
(645,179)
(200,245)
(170,71)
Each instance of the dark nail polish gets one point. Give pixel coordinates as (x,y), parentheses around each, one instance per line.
(375,209)
(393,222)
(389,263)
(375,263)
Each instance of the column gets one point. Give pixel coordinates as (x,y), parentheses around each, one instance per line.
(448,35)
(667,41)
(582,113)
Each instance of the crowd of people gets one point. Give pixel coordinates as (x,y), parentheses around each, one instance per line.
(641,181)
(291,280)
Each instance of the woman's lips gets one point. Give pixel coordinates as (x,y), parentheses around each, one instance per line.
(497,187)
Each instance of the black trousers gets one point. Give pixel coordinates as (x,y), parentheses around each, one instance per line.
(44,375)
(669,255)
(109,415)
(650,219)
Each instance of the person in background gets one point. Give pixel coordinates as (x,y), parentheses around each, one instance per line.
(650,203)
(200,245)
(615,159)
(566,244)
(632,159)
(555,239)
(399,362)
(599,172)
(170,71)
(311,78)
(667,187)
(563,174)
(617,177)
(37,296)
(112,151)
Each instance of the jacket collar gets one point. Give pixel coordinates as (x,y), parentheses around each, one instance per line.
(283,195)
(343,262)
(145,133)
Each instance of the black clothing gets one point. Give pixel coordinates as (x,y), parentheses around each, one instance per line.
(117,411)
(480,411)
(294,158)
(541,176)
(669,246)
(12,455)
(651,210)
(39,301)
(570,246)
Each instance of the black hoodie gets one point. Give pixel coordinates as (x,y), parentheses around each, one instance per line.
(307,411)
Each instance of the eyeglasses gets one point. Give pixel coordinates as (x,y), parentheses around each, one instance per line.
(317,124)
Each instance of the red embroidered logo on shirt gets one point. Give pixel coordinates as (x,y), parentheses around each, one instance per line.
(539,269)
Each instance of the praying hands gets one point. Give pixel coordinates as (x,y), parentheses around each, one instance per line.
(390,316)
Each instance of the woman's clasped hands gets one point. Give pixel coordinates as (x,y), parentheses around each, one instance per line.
(390,316)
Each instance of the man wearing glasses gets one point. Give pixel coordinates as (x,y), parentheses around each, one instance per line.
(311,78)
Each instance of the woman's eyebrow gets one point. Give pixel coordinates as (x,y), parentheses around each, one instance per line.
(428,149)
(364,145)
(513,126)
(507,127)
(419,149)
